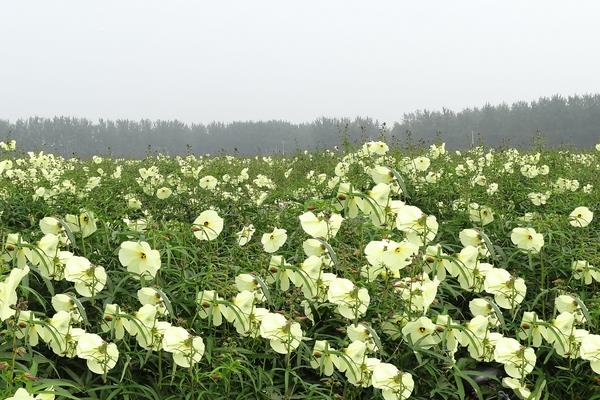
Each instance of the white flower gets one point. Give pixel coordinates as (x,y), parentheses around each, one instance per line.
(395,385)
(210,306)
(84,223)
(527,239)
(322,358)
(421,332)
(320,226)
(583,270)
(114,320)
(581,217)
(186,348)
(244,236)
(352,301)
(480,214)
(148,295)
(508,291)
(23,394)
(8,292)
(164,193)
(273,241)
(284,335)
(518,360)
(139,258)
(100,355)
(89,279)
(208,225)
(590,351)
(208,182)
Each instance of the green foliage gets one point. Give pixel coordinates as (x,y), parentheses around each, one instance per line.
(247,368)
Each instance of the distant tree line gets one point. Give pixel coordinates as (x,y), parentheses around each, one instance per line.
(573,120)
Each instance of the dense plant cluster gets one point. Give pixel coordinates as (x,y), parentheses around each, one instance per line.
(364,273)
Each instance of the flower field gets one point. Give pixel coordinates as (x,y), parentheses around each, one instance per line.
(369,272)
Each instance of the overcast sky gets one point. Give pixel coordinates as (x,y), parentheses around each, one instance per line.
(200,61)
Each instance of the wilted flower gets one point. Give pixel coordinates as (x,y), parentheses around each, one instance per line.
(244,236)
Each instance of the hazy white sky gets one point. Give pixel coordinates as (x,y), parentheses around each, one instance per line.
(255,60)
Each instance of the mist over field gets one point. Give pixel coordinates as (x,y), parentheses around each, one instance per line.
(116,77)
(557,121)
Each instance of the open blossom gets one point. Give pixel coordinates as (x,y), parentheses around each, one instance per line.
(532,328)
(66,302)
(146,328)
(53,226)
(273,241)
(100,355)
(210,306)
(419,292)
(148,295)
(114,320)
(419,228)
(29,326)
(585,271)
(89,279)
(186,348)
(508,290)
(320,226)
(23,394)
(208,182)
(47,249)
(164,193)
(472,237)
(356,365)
(518,387)
(139,259)
(284,335)
(581,217)
(84,223)
(527,239)
(8,292)
(15,250)
(421,332)
(208,225)
(394,384)
(323,358)
(480,214)
(280,272)
(421,163)
(244,314)
(590,351)
(351,301)
(378,148)
(518,360)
